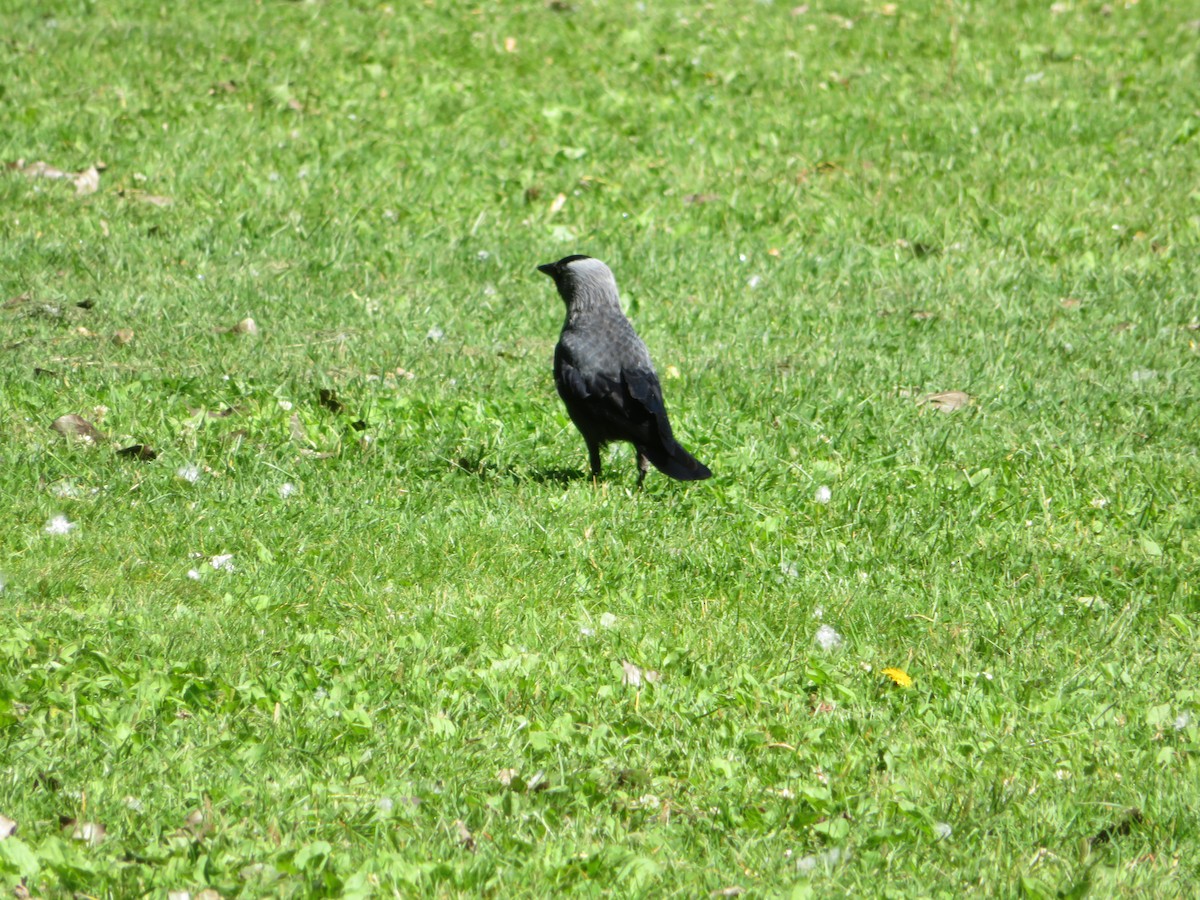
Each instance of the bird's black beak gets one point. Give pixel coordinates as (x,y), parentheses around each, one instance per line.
(550,269)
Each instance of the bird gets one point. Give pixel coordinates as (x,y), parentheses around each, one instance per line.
(605,377)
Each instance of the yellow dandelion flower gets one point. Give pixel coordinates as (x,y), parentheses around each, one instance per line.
(898,676)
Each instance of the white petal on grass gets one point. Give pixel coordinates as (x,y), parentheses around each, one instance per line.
(286,490)
(583,629)
(647,801)
(60,525)
(608,620)
(818,613)
(753,281)
(194,574)
(631,674)
(1182,721)
(190,474)
(434,334)
(222,562)
(285,405)
(827,638)
(823,494)
(1140,375)
(942,831)
(788,569)
(7,827)
(826,859)
(385,804)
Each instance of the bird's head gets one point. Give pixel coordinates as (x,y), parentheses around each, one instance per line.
(582,280)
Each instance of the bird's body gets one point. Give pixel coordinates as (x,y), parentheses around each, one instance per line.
(605,377)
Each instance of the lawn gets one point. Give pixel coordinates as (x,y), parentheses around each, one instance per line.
(922,281)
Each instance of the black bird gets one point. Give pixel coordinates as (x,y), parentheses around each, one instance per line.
(604,375)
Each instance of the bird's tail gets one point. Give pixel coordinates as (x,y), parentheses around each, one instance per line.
(673,460)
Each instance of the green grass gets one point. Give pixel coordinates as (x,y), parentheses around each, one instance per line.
(432,628)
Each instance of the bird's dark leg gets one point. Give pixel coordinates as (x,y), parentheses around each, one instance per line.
(643,468)
(594,459)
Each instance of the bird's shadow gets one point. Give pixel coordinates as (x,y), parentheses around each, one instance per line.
(489,471)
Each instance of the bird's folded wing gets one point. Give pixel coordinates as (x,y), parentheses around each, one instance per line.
(643,388)
(571,383)
(628,398)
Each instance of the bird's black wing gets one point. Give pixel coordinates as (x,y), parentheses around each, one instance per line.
(660,447)
(623,406)
(643,389)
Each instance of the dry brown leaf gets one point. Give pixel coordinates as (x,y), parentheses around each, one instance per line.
(7,827)
(299,432)
(91,833)
(464,835)
(122,336)
(74,426)
(948,401)
(87,182)
(39,169)
(1070,302)
(923,315)
(701,198)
